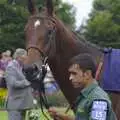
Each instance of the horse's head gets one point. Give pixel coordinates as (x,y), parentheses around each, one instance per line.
(47,36)
(40,32)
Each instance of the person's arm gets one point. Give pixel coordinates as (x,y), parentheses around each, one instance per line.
(59,116)
(11,79)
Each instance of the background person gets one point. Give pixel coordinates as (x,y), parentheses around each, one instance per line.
(20,96)
(5,59)
(92,103)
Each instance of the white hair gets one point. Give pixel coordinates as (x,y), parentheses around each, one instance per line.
(19,52)
(8,52)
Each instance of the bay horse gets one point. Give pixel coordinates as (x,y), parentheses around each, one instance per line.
(47,36)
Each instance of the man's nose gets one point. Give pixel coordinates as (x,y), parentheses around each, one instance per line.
(70,77)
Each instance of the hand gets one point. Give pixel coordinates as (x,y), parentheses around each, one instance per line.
(55,114)
(58,115)
(52,111)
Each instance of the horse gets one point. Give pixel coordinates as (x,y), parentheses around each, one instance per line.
(47,36)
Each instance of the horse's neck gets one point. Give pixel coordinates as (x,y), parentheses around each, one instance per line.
(70,44)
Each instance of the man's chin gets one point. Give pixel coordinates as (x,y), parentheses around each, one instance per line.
(80,86)
(76,85)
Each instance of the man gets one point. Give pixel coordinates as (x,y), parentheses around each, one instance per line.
(20,96)
(92,103)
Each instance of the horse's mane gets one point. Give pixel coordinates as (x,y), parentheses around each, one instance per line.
(84,41)
(75,40)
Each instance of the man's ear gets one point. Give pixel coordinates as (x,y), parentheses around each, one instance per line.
(87,74)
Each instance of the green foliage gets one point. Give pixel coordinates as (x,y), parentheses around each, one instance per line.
(13,18)
(3,115)
(103,27)
(12,22)
(65,12)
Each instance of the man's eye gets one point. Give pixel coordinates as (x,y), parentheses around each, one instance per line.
(73,73)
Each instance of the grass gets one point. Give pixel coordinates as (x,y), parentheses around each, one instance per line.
(57,99)
(3,114)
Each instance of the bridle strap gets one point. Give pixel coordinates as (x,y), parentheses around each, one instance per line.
(99,69)
(36,48)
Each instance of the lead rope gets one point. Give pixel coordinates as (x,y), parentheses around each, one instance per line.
(43,97)
(73,106)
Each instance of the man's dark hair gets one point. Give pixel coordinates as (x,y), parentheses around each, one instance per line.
(85,61)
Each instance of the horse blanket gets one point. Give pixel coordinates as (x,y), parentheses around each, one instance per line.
(111,71)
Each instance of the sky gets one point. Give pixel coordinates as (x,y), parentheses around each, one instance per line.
(83,8)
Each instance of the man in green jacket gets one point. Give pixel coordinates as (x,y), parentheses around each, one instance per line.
(93,102)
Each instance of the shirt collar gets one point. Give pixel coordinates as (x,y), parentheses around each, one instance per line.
(18,63)
(89,88)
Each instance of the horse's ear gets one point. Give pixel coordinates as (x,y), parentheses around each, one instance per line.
(49,6)
(32,7)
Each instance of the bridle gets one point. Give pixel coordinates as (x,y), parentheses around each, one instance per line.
(36,48)
(43,69)
(50,35)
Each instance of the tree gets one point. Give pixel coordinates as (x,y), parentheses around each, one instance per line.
(103,27)
(12,22)
(64,10)
(14,15)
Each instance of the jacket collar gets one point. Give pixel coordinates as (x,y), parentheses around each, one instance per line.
(85,92)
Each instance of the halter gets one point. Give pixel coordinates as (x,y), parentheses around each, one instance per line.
(40,77)
(51,33)
(36,48)
(42,72)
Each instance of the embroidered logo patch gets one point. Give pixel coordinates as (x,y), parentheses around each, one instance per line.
(99,110)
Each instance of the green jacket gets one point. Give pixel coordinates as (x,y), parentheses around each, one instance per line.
(94,104)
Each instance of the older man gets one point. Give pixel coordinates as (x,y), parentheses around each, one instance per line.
(20,96)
